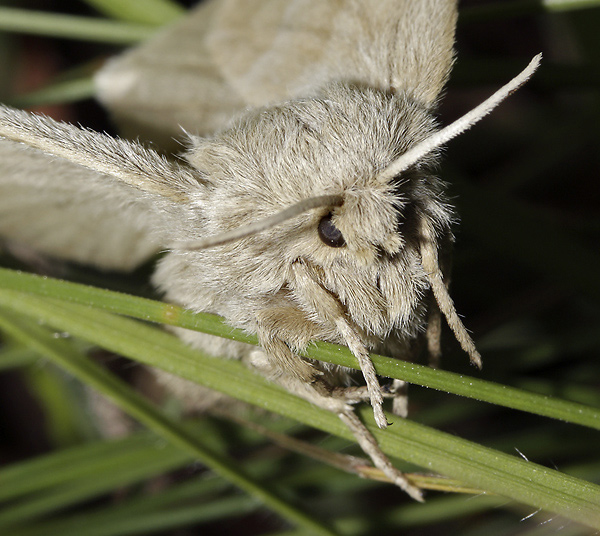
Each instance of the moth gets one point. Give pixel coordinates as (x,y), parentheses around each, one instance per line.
(306,206)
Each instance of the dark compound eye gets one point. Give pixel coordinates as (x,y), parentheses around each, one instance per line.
(330,234)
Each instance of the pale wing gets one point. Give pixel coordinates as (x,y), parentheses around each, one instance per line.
(83,196)
(227,55)
(170,82)
(61,209)
(274,49)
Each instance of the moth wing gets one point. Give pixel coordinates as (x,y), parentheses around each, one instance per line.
(272,50)
(83,196)
(227,55)
(59,209)
(170,82)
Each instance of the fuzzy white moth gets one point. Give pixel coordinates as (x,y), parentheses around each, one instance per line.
(307,210)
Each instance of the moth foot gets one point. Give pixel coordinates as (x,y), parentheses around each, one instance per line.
(277,359)
(354,395)
(369,445)
(399,392)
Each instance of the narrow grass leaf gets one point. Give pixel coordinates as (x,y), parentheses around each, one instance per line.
(73,27)
(16,357)
(84,462)
(60,92)
(518,8)
(160,312)
(110,522)
(156,12)
(60,352)
(473,464)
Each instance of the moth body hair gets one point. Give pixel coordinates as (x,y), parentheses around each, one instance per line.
(307,205)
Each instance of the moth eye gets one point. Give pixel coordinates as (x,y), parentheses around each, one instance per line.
(330,234)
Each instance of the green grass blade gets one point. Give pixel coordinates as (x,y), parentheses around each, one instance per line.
(146,515)
(471,387)
(518,8)
(83,489)
(154,311)
(63,354)
(442,509)
(514,477)
(85,462)
(72,27)
(471,463)
(60,92)
(72,475)
(106,523)
(16,357)
(117,302)
(156,12)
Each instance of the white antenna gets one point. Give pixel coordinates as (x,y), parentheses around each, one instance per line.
(394,169)
(261,225)
(444,135)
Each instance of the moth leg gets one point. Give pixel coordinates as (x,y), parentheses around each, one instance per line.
(292,383)
(433,345)
(281,329)
(399,392)
(283,332)
(365,439)
(369,445)
(431,266)
(366,365)
(330,308)
(433,335)
(352,395)
(355,394)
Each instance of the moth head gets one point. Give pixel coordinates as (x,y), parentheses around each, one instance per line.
(331,148)
(418,144)
(344,182)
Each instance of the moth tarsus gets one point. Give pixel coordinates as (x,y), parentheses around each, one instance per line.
(305,208)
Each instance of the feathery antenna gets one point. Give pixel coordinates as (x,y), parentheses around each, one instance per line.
(465,122)
(262,225)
